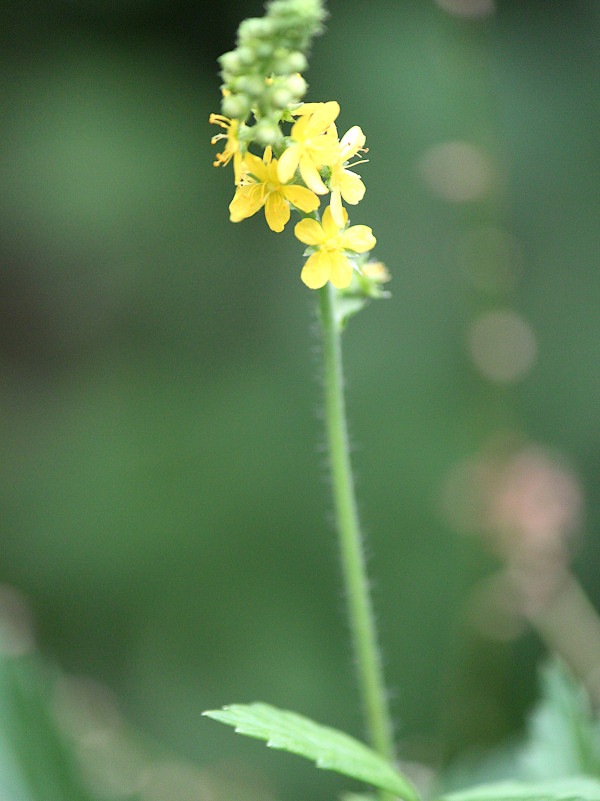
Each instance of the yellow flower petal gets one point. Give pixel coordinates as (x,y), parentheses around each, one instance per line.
(322,118)
(351,187)
(277,211)
(340,273)
(358,238)
(352,141)
(299,130)
(273,175)
(376,271)
(330,228)
(310,175)
(315,272)
(256,166)
(310,232)
(246,201)
(237,167)
(288,163)
(324,149)
(337,210)
(306,108)
(301,197)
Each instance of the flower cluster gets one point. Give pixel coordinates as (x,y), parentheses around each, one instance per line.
(298,165)
(262,75)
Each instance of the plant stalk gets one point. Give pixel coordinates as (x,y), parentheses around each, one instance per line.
(360,612)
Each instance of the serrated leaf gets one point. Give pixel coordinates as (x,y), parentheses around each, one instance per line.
(329,748)
(575,788)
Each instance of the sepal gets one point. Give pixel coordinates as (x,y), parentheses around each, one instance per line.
(366,285)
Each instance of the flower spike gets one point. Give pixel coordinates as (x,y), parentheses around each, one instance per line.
(286,153)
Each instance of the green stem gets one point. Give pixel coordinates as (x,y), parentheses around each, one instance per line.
(362,623)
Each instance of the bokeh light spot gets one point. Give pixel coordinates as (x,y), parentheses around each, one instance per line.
(457,171)
(502,345)
(468,8)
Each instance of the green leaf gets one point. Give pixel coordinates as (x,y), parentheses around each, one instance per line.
(364,287)
(329,748)
(346,306)
(575,788)
(562,730)
(36,761)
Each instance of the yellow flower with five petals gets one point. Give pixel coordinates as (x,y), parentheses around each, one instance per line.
(330,262)
(314,144)
(344,183)
(261,185)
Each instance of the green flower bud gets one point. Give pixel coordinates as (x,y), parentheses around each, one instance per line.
(280,61)
(281,66)
(245,55)
(255,28)
(281,97)
(245,134)
(297,86)
(267,133)
(296,62)
(230,62)
(236,106)
(252,85)
(270,46)
(264,50)
(297,21)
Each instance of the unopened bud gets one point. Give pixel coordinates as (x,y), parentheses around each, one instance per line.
(245,55)
(281,97)
(266,133)
(244,134)
(252,85)
(230,62)
(255,28)
(281,65)
(264,49)
(236,106)
(297,61)
(296,85)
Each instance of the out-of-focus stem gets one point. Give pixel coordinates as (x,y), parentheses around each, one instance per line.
(570,626)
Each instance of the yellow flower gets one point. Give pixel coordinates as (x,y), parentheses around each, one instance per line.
(344,183)
(232,145)
(329,262)
(261,186)
(376,271)
(314,144)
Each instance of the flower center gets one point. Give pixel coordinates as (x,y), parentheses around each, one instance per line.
(333,244)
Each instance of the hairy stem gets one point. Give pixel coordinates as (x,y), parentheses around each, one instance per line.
(362,623)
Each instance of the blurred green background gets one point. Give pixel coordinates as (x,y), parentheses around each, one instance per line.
(164,492)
